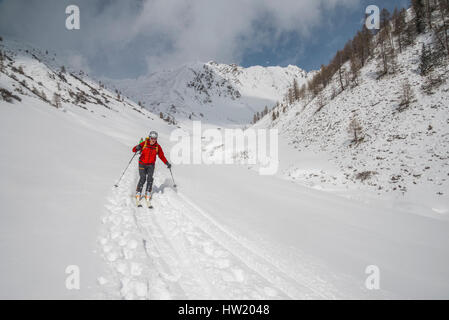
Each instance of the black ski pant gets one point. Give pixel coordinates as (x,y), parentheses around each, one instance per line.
(146,174)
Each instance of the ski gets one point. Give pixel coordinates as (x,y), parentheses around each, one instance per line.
(148,200)
(139,198)
(138,201)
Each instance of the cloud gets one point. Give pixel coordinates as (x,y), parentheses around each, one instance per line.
(78,62)
(127,38)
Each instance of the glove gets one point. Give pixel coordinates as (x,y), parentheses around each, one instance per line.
(168,165)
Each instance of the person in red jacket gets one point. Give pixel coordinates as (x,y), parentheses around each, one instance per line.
(149,150)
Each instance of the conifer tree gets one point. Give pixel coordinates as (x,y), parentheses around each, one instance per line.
(419,10)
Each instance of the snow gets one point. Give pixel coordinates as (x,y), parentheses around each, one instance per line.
(225,95)
(406,151)
(219,237)
(302,231)
(226,232)
(57,166)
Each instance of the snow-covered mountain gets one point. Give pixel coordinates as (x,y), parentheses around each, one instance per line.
(212,92)
(402,154)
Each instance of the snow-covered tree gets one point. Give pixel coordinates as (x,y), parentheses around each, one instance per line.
(56,100)
(1,61)
(355,129)
(399,27)
(354,71)
(425,64)
(296,93)
(339,65)
(387,57)
(443,8)
(385,17)
(320,101)
(419,10)
(407,96)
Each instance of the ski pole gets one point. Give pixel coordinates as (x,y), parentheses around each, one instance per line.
(174,184)
(116,185)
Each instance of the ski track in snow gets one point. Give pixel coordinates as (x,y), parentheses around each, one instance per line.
(177,251)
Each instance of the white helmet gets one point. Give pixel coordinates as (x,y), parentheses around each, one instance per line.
(153,134)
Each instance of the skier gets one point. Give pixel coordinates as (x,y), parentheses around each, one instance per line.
(149,149)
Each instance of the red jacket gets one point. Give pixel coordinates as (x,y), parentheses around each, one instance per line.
(149,152)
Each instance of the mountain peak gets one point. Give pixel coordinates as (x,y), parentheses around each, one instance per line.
(211,91)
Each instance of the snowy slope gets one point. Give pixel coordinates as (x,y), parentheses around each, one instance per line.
(404,155)
(226,232)
(214,93)
(56,168)
(229,233)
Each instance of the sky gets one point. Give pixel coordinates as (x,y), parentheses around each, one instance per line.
(127,39)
